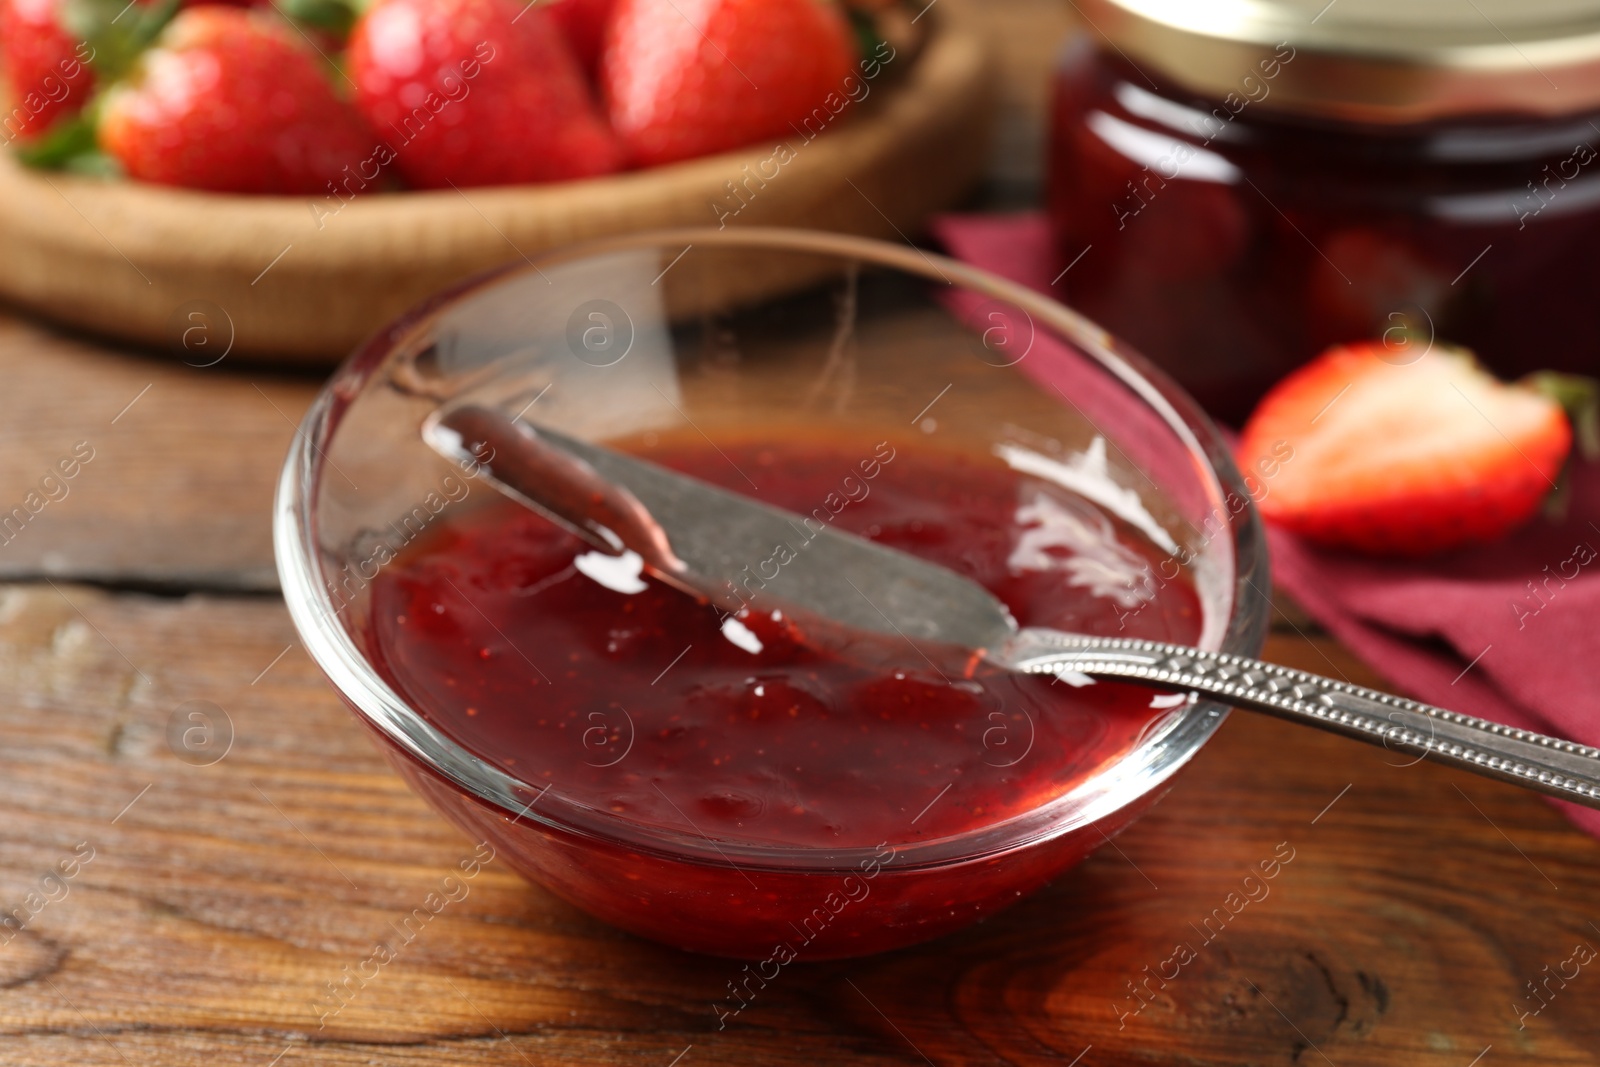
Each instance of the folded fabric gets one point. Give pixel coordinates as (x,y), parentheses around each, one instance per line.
(1508,631)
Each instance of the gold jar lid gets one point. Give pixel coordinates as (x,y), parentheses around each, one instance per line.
(1380,61)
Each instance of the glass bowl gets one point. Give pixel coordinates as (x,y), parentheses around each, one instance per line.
(804,342)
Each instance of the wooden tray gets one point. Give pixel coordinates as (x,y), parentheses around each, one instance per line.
(269,276)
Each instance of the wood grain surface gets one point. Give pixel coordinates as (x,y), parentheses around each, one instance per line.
(185,459)
(221,899)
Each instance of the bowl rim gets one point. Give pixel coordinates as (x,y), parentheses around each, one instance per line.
(1164,749)
(384,254)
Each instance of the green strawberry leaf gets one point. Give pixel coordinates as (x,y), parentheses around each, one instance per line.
(96,165)
(335,16)
(117,31)
(864,24)
(1580,398)
(64,142)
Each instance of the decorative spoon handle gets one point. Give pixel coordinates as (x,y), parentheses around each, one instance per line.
(1560,768)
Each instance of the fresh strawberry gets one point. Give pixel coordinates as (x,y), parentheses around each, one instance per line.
(685,78)
(583,23)
(47,75)
(477,92)
(232,100)
(1389,448)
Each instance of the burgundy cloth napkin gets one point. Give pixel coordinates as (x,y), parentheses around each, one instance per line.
(1508,632)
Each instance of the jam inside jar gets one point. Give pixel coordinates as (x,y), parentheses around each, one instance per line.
(1230,236)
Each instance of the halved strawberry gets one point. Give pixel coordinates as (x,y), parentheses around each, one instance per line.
(1376,447)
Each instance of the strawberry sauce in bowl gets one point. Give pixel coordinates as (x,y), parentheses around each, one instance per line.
(710,780)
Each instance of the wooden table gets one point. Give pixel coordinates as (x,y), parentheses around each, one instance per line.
(220,879)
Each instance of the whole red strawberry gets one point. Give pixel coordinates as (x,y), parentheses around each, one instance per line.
(1401,449)
(477,92)
(232,100)
(685,78)
(47,73)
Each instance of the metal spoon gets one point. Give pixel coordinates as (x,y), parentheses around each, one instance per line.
(727,548)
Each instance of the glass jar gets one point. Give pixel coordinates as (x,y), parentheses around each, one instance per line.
(1236,185)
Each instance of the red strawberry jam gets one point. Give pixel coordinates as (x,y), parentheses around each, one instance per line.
(630,697)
